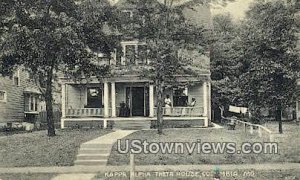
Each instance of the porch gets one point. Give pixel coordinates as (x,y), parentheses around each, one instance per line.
(134,122)
(134,100)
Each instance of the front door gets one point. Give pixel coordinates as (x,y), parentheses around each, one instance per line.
(138,107)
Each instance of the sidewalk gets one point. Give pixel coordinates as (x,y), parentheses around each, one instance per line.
(97,151)
(96,169)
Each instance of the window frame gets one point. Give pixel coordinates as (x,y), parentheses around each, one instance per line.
(128,11)
(16,75)
(32,98)
(136,44)
(100,90)
(4,96)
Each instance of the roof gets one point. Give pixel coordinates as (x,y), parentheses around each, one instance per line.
(29,90)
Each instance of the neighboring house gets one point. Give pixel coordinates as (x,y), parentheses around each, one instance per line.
(20,98)
(127,94)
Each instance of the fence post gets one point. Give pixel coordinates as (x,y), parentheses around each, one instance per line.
(251,129)
(259,132)
(132,166)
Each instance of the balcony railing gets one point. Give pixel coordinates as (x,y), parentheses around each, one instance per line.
(85,112)
(182,111)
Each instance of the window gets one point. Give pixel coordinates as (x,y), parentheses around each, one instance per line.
(16,78)
(130,54)
(134,52)
(94,97)
(127,14)
(180,96)
(33,102)
(3,96)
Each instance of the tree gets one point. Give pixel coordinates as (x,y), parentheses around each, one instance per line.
(270,60)
(225,66)
(48,37)
(168,34)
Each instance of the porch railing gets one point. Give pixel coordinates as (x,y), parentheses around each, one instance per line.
(182,111)
(85,112)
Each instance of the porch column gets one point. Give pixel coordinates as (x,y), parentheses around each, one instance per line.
(105,100)
(205,103)
(63,105)
(151,100)
(113,99)
(209,102)
(297,111)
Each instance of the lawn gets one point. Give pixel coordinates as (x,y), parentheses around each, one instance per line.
(44,176)
(37,149)
(291,152)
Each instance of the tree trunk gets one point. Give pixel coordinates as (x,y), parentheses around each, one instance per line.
(278,118)
(160,102)
(49,107)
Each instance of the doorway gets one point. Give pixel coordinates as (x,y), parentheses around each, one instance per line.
(135,98)
(138,107)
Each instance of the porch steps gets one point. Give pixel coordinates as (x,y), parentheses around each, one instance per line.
(132,124)
(94,150)
(90,162)
(92,154)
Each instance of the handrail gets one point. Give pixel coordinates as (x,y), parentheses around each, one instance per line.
(182,111)
(253,125)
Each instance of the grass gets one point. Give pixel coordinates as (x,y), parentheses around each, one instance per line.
(290,153)
(289,128)
(37,149)
(44,176)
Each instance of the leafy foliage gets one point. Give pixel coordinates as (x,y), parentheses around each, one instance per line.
(225,62)
(270,60)
(50,36)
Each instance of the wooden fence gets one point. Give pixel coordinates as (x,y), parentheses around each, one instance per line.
(257,129)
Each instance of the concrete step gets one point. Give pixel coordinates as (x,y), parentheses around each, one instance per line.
(131,124)
(96,145)
(90,162)
(94,150)
(92,156)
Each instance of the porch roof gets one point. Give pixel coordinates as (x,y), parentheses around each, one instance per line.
(133,78)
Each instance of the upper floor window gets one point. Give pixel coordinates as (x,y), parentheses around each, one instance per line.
(134,52)
(3,96)
(127,14)
(16,78)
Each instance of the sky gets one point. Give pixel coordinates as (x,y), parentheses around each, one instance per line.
(237,9)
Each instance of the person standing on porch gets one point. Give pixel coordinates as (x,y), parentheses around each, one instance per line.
(192,104)
(168,105)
